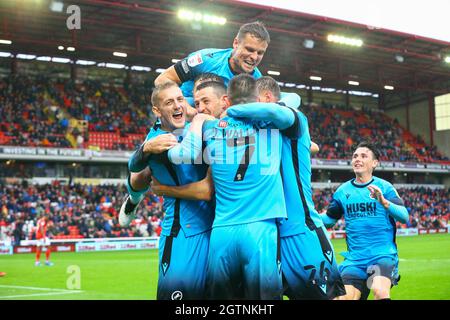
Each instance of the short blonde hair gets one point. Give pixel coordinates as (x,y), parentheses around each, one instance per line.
(155,99)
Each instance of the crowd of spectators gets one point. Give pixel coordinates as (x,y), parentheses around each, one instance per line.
(107,108)
(93,210)
(427,208)
(336,129)
(429,153)
(27,114)
(37,112)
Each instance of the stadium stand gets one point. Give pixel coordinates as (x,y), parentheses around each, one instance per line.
(83,211)
(77,211)
(46,113)
(336,129)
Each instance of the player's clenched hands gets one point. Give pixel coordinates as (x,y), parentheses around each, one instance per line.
(202,117)
(197,123)
(190,113)
(160,143)
(376,193)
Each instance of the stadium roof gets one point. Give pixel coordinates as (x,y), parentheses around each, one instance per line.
(152,35)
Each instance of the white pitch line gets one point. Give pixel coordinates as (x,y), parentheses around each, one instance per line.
(37,294)
(56,291)
(36,288)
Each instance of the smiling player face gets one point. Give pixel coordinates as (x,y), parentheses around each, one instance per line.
(363,161)
(208,102)
(247,53)
(171,109)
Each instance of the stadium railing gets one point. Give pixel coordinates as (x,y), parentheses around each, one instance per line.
(84,245)
(114,156)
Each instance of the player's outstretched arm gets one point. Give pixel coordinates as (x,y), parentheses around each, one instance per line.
(139,159)
(327,220)
(333,214)
(169,75)
(200,190)
(395,206)
(398,212)
(190,148)
(280,116)
(290,99)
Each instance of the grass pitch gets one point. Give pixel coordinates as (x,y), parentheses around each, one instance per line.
(424,268)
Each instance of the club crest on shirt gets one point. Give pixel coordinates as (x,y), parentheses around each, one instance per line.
(195,60)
